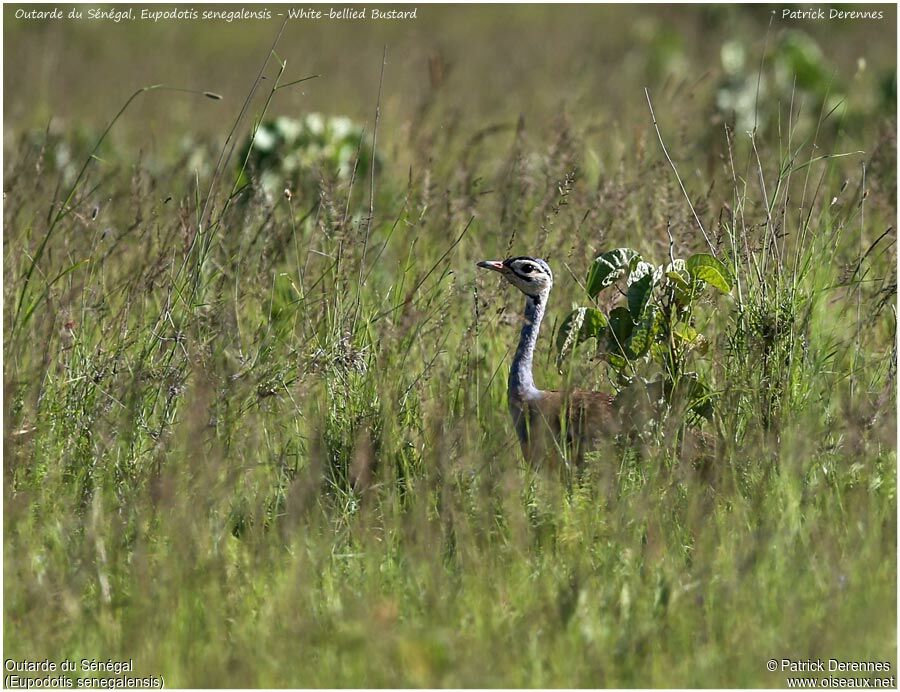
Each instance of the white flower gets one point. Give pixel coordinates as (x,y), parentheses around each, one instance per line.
(341,127)
(289,128)
(315,123)
(264,139)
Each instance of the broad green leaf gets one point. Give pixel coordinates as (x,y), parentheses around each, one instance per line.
(641,269)
(580,325)
(703,267)
(677,273)
(620,327)
(640,287)
(617,361)
(685,331)
(609,268)
(682,281)
(643,334)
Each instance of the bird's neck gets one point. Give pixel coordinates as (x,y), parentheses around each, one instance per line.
(521,379)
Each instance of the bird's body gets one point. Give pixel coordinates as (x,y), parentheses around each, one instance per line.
(552,426)
(560,427)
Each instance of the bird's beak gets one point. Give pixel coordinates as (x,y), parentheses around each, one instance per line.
(493,265)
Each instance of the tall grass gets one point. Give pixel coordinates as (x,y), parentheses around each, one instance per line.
(265,442)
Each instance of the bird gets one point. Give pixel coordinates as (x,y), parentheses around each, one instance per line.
(554,428)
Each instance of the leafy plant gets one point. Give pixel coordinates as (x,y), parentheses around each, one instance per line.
(653,325)
(295,153)
(798,69)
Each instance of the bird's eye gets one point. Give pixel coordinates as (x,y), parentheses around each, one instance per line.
(526,269)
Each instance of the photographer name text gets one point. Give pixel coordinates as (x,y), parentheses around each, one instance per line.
(816,13)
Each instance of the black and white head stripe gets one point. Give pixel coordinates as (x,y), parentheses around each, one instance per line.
(531,276)
(528,268)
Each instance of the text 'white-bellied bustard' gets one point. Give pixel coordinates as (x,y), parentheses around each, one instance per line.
(550,425)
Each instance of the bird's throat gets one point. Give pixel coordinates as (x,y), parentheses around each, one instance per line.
(521,378)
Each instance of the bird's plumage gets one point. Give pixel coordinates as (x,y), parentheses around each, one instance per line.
(560,427)
(552,426)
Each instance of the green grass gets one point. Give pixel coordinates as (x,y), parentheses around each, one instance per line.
(184,411)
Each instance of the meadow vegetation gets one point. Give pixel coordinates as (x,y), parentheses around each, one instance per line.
(257,439)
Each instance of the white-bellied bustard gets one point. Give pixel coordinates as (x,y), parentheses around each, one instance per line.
(550,425)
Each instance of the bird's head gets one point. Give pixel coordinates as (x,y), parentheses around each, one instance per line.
(531,276)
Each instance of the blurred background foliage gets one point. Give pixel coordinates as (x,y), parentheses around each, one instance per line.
(579,60)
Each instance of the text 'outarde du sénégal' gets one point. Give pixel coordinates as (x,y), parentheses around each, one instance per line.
(350,13)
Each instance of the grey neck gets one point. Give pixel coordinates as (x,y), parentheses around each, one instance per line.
(521,380)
